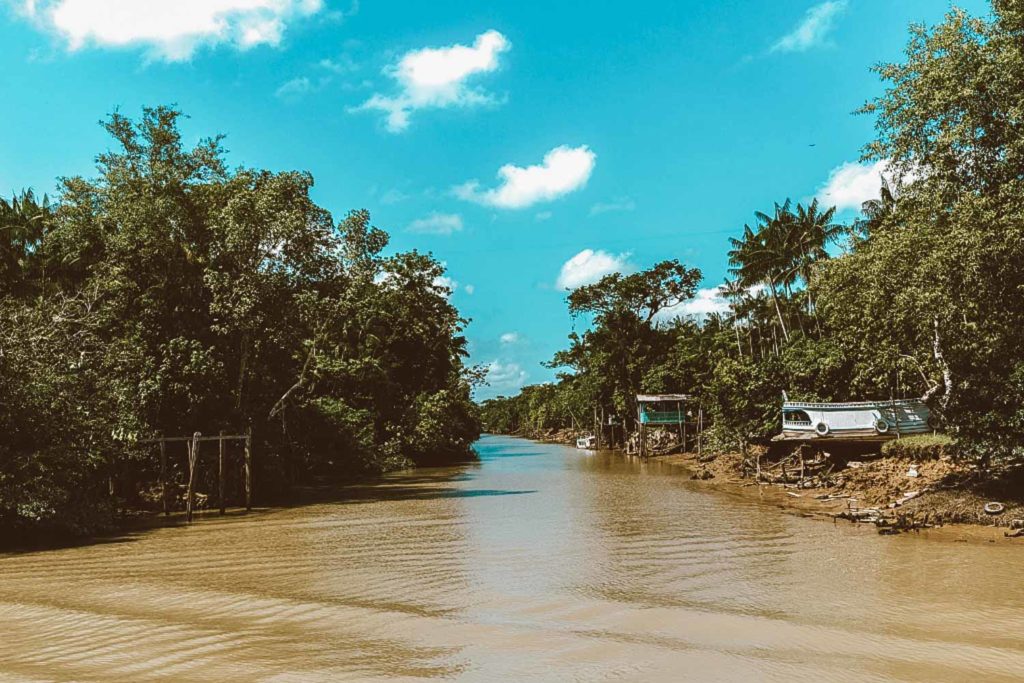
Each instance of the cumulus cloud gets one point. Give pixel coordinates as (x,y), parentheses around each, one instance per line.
(437,224)
(563,170)
(851,184)
(705,302)
(510,338)
(446,284)
(507,376)
(589,266)
(620,204)
(171,30)
(812,30)
(434,78)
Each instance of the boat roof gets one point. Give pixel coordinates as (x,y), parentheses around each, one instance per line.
(653,398)
(854,404)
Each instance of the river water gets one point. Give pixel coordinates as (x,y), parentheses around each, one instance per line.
(538,563)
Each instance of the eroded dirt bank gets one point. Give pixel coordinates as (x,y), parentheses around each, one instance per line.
(940,498)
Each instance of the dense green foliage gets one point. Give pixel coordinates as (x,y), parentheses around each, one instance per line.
(170,294)
(921,296)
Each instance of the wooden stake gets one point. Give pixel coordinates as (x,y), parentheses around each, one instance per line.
(163,476)
(248,469)
(220,472)
(700,429)
(193,454)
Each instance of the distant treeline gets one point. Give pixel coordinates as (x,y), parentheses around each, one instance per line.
(923,295)
(171,294)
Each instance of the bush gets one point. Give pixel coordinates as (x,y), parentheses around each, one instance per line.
(921,447)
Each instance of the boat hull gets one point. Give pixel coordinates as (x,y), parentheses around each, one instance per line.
(855,422)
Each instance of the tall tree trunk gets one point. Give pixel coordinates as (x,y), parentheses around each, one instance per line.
(778,310)
(947,374)
(739,346)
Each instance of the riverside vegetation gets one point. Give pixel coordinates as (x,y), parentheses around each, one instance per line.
(922,295)
(171,294)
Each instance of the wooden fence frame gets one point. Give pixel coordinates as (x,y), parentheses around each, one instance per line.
(192,444)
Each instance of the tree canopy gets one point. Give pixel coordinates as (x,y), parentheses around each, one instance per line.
(170,294)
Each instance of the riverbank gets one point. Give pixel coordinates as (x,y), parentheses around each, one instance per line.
(939,499)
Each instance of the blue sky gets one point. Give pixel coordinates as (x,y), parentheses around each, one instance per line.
(527,145)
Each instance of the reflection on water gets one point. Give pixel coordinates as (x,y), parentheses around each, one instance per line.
(538,563)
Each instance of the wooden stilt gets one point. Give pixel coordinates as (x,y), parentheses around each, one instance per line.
(193,455)
(700,429)
(220,472)
(682,426)
(248,469)
(163,476)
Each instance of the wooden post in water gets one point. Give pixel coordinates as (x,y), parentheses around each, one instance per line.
(220,472)
(163,476)
(700,428)
(193,455)
(248,469)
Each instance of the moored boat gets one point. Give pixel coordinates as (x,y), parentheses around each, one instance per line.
(859,421)
(587,443)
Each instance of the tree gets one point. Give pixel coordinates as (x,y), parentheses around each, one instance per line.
(171,294)
(624,336)
(938,276)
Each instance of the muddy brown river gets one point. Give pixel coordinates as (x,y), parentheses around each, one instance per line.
(538,563)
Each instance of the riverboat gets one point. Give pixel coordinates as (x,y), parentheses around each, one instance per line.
(860,421)
(587,443)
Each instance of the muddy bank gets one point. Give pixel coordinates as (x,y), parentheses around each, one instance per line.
(939,498)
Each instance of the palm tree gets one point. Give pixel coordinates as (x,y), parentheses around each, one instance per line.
(877,211)
(764,256)
(814,232)
(734,292)
(21,230)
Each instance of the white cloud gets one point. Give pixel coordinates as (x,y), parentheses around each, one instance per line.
(394,196)
(542,216)
(446,284)
(620,204)
(433,78)
(589,266)
(437,224)
(813,29)
(505,375)
(171,30)
(510,338)
(295,88)
(706,301)
(563,170)
(851,184)
(469,289)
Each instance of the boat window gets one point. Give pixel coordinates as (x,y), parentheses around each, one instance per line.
(796,416)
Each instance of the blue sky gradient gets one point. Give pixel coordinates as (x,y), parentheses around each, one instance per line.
(697,114)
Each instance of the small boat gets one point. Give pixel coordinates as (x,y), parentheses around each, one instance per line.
(861,421)
(587,443)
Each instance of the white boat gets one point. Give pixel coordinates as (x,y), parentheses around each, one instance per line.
(587,443)
(862,421)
